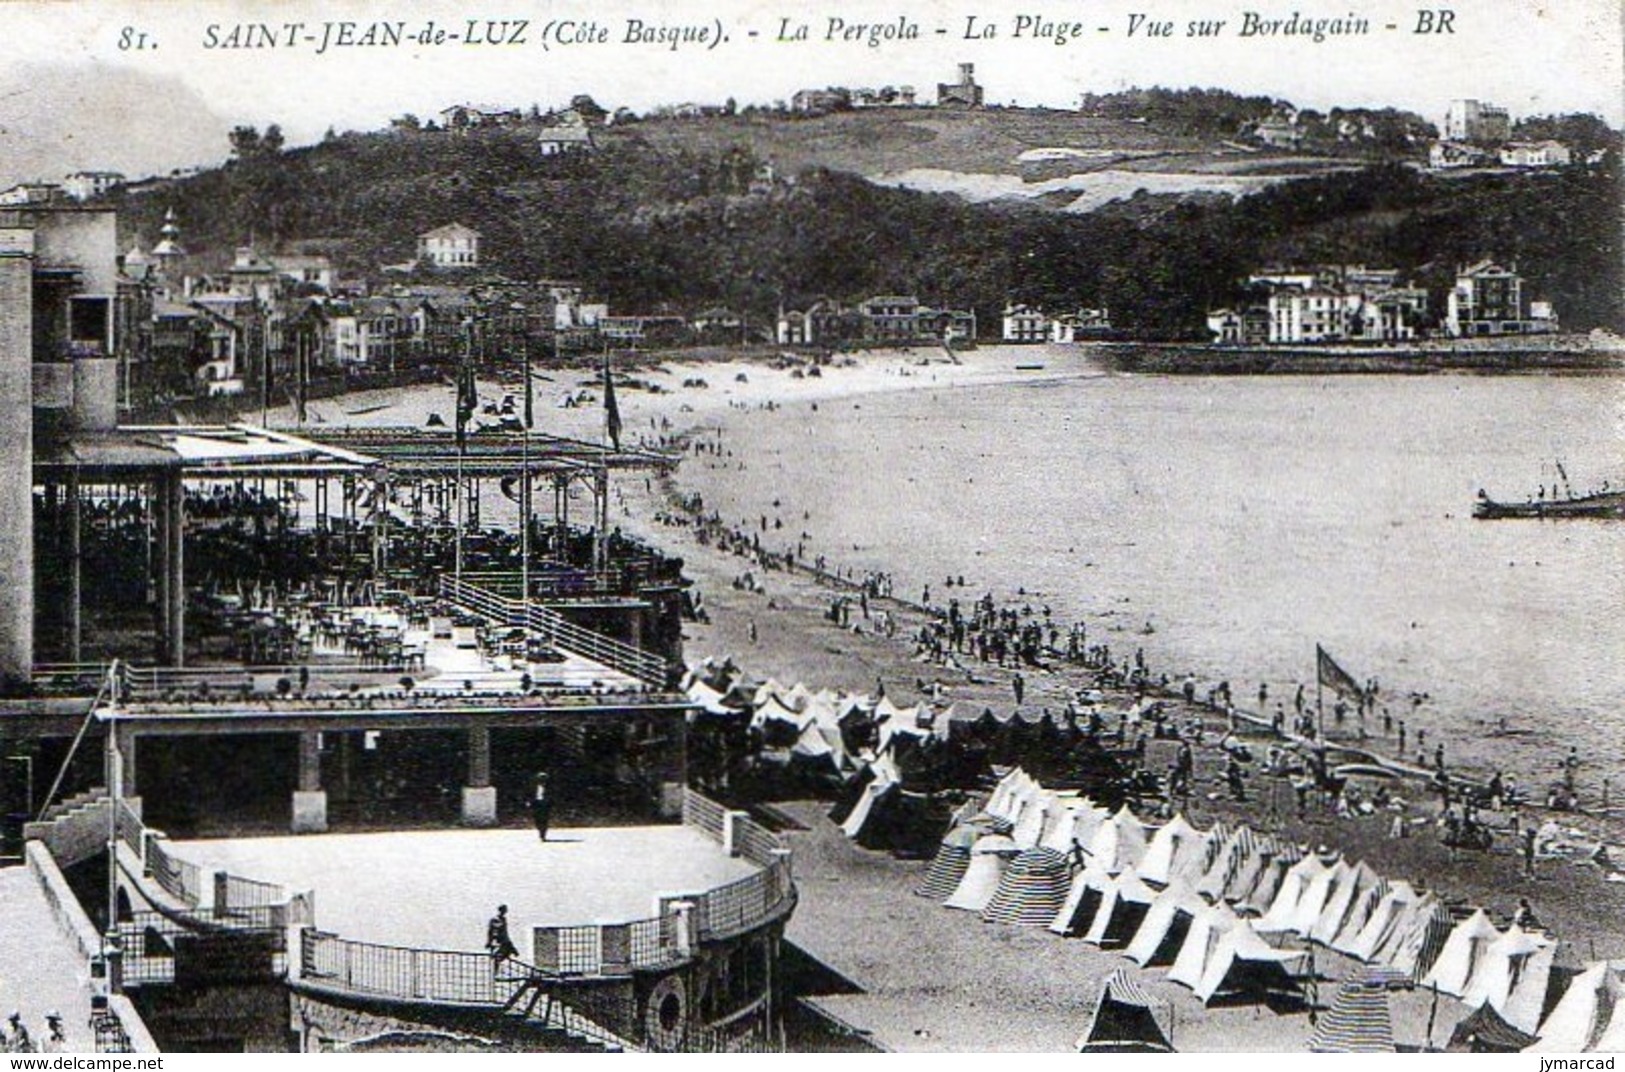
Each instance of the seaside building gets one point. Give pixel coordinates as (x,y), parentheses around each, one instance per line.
(87,185)
(322,658)
(1024,324)
(451,246)
(1476,122)
(1535,154)
(964,93)
(1491,299)
(571,136)
(820,101)
(1443,155)
(1081,326)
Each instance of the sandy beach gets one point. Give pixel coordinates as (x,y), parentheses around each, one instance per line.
(781,630)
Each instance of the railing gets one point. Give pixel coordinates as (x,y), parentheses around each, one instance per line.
(441,976)
(555,630)
(181,879)
(704,814)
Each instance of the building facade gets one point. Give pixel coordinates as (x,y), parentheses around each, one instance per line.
(451,246)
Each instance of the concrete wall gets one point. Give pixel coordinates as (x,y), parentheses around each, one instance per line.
(80,238)
(95,394)
(17,437)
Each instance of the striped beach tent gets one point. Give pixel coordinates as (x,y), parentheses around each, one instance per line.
(1359,1021)
(1124,1020)
(1592,1007)
(1174,849)
(949,864)
(1384,919)
(1031,891)
(1224,862)
(1276,858)
(988,858)
(1416,945)
(1513,976)
(1463,955)
(1123,906)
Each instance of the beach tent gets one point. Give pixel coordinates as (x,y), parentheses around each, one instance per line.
(1227,862)
(1512,977)
(1591,1008)
(1124,902)
(1222,953)
(1030,827)
(1463,955)
(1176,848)
(1031,891)
(873,793)
(949,864)
(988,858)
(1166,924)
(1357,881)
(1295,885)
(1318,894)
(1417,943)
(1383,917)
(709,700)
(1485,1031)
(1360,899)
(1257,892)
(1119,843)
(1123,1020)
(1072,818)
(1083,899)
(1359,1020)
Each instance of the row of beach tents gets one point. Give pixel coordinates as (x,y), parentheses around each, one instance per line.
(1233,912)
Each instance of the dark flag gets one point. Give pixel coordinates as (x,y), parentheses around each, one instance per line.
(1334,677)
(468,400)
(612,412)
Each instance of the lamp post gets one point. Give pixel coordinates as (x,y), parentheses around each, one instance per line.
(518,309)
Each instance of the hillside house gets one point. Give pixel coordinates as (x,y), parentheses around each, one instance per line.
(88,185)
(1535,154)
(1023,324)
(964,93)
(1490,299)
(451,246)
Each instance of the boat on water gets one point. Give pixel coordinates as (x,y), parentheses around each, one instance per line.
(1598,504)
(1604,503)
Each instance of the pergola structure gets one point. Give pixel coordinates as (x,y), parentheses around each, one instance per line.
(160,459)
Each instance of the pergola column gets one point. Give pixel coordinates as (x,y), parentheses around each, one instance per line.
(479,795)
(74,558)
(309,800)
(669,763)
(170,510)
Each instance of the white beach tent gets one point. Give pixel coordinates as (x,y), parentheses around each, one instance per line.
(1513,976)
(871,795)
(1220,947)
(1283,911)
(1075,820)
(1166,924)
(1171,851)
(988,859)
(1119,843)
(1360,937)
(1227,863)
(1350,908)
(1463,955)
(1124,902)
(1030,827)
(1275,859)
(1318,894)
(1582,1016)
(1083,899)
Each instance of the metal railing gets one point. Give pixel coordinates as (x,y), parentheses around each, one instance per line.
(556,630)
(179,878)
(441,976)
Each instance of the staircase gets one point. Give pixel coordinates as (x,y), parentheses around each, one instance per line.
(533,1010)
(75,828)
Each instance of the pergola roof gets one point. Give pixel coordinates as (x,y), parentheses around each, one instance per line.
(144,451)
(416,452)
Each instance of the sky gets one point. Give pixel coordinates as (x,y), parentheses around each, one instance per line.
(82,87)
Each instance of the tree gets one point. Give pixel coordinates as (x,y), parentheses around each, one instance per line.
(271,143)
(245,142)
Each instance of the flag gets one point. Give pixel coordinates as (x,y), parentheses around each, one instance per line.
(1334,677)
(612,412)
(468,399)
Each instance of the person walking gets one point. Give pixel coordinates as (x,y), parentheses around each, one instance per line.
(497,940)
(541,805)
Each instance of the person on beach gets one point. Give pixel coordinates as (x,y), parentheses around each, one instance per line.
(541,804)
(497,940)
(1571,767)
(1019,685)
(1529,852)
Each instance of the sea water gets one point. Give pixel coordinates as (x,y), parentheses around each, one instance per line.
(1229,524)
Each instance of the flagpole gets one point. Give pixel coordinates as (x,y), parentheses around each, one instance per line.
(524,464)
(457,491)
